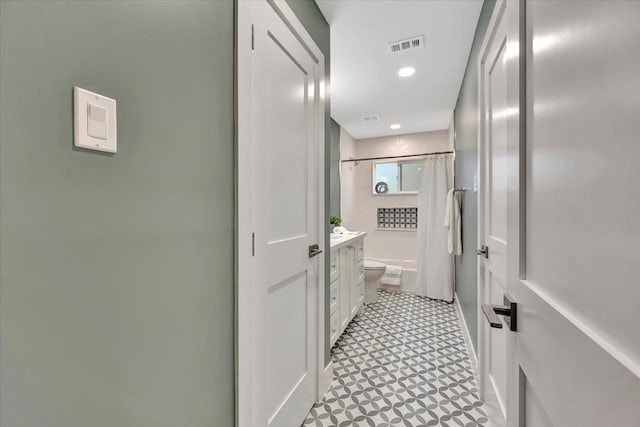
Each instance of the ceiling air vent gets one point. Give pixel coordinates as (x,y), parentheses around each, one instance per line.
(371,118)
(406,44)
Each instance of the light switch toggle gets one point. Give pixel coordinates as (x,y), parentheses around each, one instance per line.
(96,121)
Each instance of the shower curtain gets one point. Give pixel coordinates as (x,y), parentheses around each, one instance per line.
(435,265)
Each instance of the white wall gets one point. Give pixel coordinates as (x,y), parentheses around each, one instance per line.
(347,177)
(359,205)
(398,145)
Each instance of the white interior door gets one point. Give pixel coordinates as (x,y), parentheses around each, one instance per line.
(493,216)
(281,175)
(572,212)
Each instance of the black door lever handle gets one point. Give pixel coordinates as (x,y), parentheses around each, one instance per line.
(492,318)
(483,251)
(314,250)
(508,310)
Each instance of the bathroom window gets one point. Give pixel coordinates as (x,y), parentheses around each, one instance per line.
(397,177)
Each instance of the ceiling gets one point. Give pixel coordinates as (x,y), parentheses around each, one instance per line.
(364,74)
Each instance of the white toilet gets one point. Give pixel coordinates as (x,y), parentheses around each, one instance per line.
(373,271)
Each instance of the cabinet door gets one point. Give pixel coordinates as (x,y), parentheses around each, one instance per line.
(334,266)
(354,289)
(360,282)
(334,328)
(344,280)
(334,296)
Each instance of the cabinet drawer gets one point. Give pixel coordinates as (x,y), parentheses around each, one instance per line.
(334,296)
(359,251)
(334,266)
(334,328)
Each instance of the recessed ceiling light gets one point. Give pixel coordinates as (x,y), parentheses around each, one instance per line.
(406,71)
(395,126)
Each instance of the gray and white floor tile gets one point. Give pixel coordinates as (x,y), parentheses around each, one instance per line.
(402,362)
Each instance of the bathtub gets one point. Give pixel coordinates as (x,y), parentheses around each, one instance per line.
(409,274)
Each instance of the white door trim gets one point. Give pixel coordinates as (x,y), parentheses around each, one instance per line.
(246,397)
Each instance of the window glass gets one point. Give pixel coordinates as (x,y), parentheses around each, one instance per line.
(396,177)
(388,173)
(410,176)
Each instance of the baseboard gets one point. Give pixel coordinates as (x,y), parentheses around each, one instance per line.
(324,380)
(473,357)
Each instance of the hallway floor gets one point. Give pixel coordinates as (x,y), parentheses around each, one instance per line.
(402,362)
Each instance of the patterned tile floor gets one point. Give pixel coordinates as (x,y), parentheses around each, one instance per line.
(402,362)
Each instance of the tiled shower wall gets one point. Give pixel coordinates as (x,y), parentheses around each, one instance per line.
(359,207)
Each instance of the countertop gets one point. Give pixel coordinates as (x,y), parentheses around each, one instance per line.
(339,240)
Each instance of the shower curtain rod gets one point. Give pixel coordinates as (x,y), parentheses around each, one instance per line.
(397,157)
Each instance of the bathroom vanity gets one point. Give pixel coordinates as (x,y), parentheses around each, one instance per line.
(346,278)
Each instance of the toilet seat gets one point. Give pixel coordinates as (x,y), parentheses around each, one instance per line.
(373,265)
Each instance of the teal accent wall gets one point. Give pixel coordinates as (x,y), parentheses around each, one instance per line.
(116,271)
(466,142)
(312,19)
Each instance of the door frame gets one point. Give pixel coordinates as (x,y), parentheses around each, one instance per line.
(484,390)
(247,398)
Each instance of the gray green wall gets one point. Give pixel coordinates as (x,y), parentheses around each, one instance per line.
(309,14)
(334,171)
(116,285)
(466,142)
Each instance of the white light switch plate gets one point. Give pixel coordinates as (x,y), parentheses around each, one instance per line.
(94,121)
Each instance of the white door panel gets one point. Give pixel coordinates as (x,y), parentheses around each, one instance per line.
(582,178)
(497,369)
(493,231)
(534,413)
(288,257)
(578,333)
(496,142)
(572,211)
(280,153)
(287,94)
(574,381)
(287,329)
(283,77)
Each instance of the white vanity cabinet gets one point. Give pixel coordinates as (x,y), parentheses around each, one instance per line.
(346,259)
(346,276)
(356,285)
(334,296)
